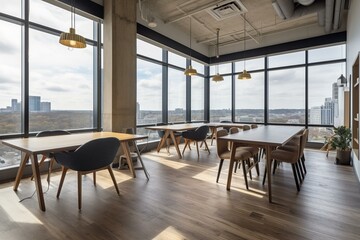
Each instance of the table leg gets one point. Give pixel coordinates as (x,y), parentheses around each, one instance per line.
(142,163)
(213,134)
(175,143)
(36,174)
(162,142)
(268,167)
(20,171)
(231,166)
(126,150)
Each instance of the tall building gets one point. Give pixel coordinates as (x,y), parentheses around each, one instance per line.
(328,112)
(14,105)
(315,115)
(45,106)
(34,103)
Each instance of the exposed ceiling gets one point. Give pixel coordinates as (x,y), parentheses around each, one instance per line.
(268,22)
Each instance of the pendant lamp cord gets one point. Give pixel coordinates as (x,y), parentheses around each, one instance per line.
(73,14)
(244,39)
(190,40)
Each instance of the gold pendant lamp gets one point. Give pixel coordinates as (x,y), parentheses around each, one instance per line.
(217,77)
(244,75)
(190,71)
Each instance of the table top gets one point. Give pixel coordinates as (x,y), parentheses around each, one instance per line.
(177,127)
(35,145)
(190,126)
(269,135)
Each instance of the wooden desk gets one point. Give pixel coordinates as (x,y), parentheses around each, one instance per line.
(268,137)
(42,145)
(169,131)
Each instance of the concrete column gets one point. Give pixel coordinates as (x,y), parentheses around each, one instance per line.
(119,105)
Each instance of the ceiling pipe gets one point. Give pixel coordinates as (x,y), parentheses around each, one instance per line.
(329,14)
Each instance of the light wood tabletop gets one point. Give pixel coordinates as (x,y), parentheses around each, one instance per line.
(40,145)
(267,137)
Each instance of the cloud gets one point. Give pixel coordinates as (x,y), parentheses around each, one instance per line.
(56,89)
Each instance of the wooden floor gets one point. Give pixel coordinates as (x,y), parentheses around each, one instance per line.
(183,201)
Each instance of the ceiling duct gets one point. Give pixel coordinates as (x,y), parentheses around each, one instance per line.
(227,9)
(329,11)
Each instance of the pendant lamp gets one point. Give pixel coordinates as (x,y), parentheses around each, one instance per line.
(244,75)
(217,77)
(190,71)
(71,39)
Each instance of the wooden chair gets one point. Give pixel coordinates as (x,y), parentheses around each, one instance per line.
(292,156)
(197,135)
(223,152)
(92,156)
(254,155)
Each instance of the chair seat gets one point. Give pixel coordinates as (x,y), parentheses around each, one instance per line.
(284,156)
(252,150)
(241,153)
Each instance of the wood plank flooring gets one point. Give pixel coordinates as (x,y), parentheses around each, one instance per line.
(183,201)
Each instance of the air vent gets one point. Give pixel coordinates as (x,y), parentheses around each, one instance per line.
(227,9)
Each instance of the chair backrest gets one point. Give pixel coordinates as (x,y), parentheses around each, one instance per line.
(225,121)
(234,130)
(254,125)
(304,138)
(49,133)
(221,145)
(201,132)
(246,127)
(160,132)
(93,155)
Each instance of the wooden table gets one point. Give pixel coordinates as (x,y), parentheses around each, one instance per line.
(215,125)
(42,145)
(169,131)
(268,137)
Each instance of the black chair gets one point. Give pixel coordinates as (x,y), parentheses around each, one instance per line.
(92,156)
(197,135)
(50,156)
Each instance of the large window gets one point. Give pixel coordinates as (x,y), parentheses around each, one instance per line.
(176,96)
(149,93)
(197,98)
(287,96)
(61,93)
(220,100)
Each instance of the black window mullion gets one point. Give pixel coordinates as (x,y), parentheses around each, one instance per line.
(266,91)
(207,94)
(188,94)
(165,79)
(25,70)
(233,92)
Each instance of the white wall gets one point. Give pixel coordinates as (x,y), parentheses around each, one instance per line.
(353,48)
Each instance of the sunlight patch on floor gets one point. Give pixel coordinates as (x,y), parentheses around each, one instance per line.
(9,201)
(169,163)
(207,175)
(170,233)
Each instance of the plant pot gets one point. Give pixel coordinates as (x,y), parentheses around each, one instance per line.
(343,157)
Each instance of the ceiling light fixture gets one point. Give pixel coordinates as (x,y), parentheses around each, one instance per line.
(190,71)
(71,39)
(244,75)
(217,77)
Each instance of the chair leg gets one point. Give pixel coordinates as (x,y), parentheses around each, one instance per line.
(275,165)
(256,162)
(220,166)
(197,148)
(303,162)
(298,172)
(249,170)
(245,174)
(186,143)
(63,174)
(301,170)
(264,178)
(51,164)
(79,189)
(94,178)
(236,165)
(207,147)
(113,179)
(295,177)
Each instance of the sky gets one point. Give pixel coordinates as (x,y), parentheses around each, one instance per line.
(64,77)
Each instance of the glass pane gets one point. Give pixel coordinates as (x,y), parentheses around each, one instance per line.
(324,94)
(9,156)
(149,93)
(287,59)
(148,50)
(197,98)
(176,60)
(198,66)
(251,64)
(10,78)
(220,100)
(287,96)
(221,68)
(327,53)
(12,7)
(319,134)
(176,96)
(152,135)
(61,87)
(249,99)
(52,16)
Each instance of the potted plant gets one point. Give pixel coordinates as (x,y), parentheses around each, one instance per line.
(341,142)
